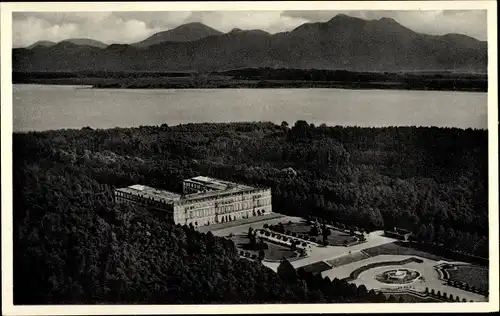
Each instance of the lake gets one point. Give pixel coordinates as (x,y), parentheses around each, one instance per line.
(46,107)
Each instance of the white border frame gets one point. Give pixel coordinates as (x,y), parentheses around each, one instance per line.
(6,162)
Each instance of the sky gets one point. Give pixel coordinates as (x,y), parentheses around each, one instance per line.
(130,27)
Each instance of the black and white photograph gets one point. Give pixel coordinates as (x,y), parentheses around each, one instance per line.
(214,155)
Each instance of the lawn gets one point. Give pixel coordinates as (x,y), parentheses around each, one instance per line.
(395,249)
(347,259)
(337,238)
(273,252)
(316,267)
(277,252)
(300,228)
(473,275)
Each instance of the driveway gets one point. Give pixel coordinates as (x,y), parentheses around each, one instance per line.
(319,253)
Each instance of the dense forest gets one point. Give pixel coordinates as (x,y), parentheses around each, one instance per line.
(72,244)
(263,78)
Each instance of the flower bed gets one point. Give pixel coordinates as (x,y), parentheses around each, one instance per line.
(466,277)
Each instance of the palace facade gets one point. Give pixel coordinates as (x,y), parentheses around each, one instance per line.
(204,201)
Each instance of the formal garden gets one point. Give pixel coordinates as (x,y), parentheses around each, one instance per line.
(323,234)
(252,246)
(467,277)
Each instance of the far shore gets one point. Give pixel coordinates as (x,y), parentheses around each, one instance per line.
(261,78)
(105,83)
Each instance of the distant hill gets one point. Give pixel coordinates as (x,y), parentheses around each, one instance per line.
(343,42)
(184,33)
(41,44)
(75,41)
(86,42)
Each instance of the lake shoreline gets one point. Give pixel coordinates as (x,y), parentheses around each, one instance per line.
(256,85)
(257,123)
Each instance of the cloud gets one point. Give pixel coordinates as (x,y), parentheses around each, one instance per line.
(155,19)
(270,21)
(128,27)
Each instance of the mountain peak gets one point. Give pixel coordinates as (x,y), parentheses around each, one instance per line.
(183,33)
(193,24)
(86,42)
(41,44)
(387,19)
(344,18)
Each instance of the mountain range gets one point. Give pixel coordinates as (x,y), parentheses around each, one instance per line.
(75,41)
(343,42)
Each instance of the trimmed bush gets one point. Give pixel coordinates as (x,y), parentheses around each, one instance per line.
(304,244)
(267,234)
(266,226)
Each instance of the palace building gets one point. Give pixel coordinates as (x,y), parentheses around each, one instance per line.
(204,201)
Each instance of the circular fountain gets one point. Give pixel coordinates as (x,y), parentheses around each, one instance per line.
(398,276)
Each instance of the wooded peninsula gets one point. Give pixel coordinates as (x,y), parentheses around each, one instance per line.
(263,78)
(73,244)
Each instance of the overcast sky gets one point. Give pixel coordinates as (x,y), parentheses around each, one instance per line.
(129,27)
